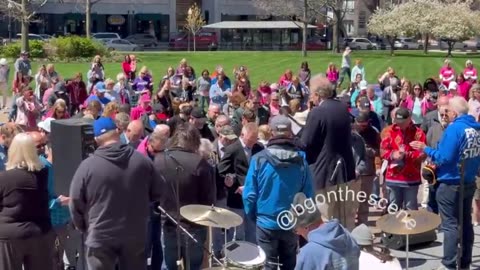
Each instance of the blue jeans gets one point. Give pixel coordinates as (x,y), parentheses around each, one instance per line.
(153,247)
(280,246)
(190,250)
(403,197)
(448,197)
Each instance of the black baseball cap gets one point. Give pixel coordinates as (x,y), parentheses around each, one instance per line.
(401,115)
(364,103)
(197,113)
(362,117)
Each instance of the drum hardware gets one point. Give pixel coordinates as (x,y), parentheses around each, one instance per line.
(407,223)
(190,236)
(244,255)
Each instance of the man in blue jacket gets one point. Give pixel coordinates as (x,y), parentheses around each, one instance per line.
(460,143)
(274,176)
(330,245)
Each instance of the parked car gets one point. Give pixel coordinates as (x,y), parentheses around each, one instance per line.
(121,45)
(457,46)
(359,44)
(31,37)
(407,44)
(145,40)
(203,41)
(313,44)
(45,36)
(105,36)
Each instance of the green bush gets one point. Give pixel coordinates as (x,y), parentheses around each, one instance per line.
(75,47)
(36,49)
(12,50)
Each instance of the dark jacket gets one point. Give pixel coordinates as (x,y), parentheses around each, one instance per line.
(328,141)
(430,119)
(110,194)
(372,140)
(24,204)
(195,178)
(235,161)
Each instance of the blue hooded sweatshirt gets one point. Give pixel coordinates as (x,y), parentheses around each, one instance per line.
(460,138)
(275,175)
(330,247)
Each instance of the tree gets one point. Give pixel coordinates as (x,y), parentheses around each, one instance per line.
(23,11)
(86,6)
(194,22)
(387,23)
(418,18)
(458,23)
(299,11)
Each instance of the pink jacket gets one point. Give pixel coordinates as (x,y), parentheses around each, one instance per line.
(332,75)
(426,105)
(464,89)
(142,147)
(138,111)
(284,81)
(470,73)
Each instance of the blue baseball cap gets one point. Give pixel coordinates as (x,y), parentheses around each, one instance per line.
(100,86)
(103,125)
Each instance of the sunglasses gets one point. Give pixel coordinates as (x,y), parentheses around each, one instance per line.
(40,146)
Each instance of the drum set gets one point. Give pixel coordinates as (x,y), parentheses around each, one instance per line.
(236,254)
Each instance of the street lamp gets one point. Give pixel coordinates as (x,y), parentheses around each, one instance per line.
(9,6)
(190,11)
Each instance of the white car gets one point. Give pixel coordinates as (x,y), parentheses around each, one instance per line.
(121,45)
(31,37)
(407,43)
(106,36)
(360,44)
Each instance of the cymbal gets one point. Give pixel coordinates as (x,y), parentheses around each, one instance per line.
(211,216)
(409,222)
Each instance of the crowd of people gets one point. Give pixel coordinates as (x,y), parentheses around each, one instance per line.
(216,139)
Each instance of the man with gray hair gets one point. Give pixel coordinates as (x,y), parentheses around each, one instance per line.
(457,159)
(122,120)
(275,175)
(115,227)
(328,143)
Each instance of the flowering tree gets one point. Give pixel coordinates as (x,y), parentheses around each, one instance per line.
(387,23)
(458,23)
(194,22)
(24,11)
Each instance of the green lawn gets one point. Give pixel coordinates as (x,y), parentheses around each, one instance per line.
(270,65)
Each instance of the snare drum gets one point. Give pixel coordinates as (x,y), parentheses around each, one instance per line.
(244,255)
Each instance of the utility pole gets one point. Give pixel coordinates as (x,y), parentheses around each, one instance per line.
(88,18)
(25,24)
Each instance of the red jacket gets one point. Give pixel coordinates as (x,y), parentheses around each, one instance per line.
(407,173)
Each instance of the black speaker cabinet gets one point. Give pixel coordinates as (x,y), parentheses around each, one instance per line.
(393,241)
(72,141)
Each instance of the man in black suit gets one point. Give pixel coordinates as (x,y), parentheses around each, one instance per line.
(433,117)
(328,146)
(233,167)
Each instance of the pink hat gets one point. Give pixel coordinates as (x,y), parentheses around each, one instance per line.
(145,98)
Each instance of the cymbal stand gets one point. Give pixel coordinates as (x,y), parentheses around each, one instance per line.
(210,254)
(407,248)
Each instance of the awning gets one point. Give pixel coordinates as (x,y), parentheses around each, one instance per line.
(257,25)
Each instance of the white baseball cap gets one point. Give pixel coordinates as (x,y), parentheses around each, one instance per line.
(46,124)
(452,86)
(3,62)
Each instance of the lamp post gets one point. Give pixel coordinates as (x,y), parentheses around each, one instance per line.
(9,6)
(190,11)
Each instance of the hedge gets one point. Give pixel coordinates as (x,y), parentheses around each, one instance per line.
(58,48)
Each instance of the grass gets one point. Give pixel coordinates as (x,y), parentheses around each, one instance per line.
(271,65)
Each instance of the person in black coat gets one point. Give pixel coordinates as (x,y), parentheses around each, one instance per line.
(328,144)
(234,167)
(186,170)
(25,229)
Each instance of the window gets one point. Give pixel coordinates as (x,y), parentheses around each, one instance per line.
(349,5)
(362,20)
(349,26)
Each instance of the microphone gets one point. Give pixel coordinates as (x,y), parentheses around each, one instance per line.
(339,162)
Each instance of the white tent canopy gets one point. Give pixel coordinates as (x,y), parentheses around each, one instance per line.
(257,25)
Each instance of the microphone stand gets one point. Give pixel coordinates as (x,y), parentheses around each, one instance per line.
(178,168)
(190,236)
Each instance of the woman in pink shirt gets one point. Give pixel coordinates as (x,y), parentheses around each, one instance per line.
(332,73)
(470,73)
(447,73)
(286,78)
(416,96)
(142,108)
(265,92)
(274,104)
(29,109)
(463,86)
(474,102)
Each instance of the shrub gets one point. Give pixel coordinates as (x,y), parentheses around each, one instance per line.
(36,49)
(75,47)
(12,50)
